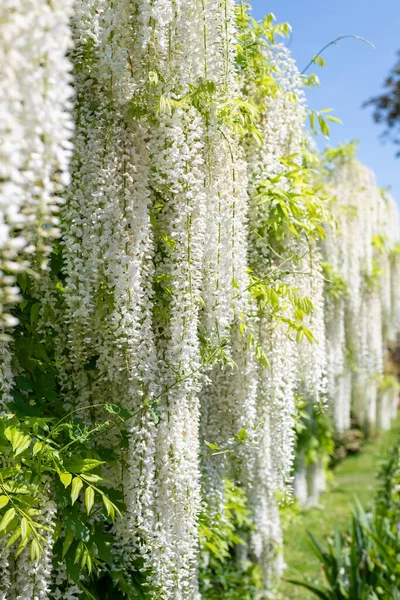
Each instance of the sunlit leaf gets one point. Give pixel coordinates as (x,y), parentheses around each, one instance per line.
(7,518)
(77,485)
(89,499)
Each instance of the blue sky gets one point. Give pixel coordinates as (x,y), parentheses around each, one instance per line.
(354,71)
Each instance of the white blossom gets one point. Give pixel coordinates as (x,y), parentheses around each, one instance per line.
(35,131)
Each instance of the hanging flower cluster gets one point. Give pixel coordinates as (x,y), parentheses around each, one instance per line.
(169,341)
(361,313)
(35,132)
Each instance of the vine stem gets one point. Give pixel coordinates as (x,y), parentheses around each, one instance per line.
(76,410)
(333,43)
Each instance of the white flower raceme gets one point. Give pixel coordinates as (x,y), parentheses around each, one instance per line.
(316,482)
(225,262)
(281,127)
(35,130)
(387,402)
(311,384)
(228,398)
(5,579)
(266,539)
(108,216)
(63,587)
(108,248)
(312,364)
(395,291)
(228,418)
(300,487)
(337,370)
(177,179)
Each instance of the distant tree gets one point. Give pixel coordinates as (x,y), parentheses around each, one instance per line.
(387,105)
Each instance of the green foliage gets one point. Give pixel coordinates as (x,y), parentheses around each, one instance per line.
(342,153)
(314,432)
(335,285)
(253,40)
(372,279)
(277,300)
(47,449)
(389,382)
(38,448)
(321,117)
(224,574)
(363,562)
(299,209)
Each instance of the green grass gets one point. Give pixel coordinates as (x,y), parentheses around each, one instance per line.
(355,476)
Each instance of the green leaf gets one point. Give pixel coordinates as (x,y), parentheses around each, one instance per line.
(25,529)
(65,479)
(69,538)
(37,447)
(18,440)
(7,518)
(92,478)
(153,77)
(88,593)
(89,499)
(82,532)
(212,446)
(334,119)
(15,536)
(4,500)
(79,552)
(319,592)
(318,60)
(323,125)
(34,313)
(77,485)
(109,507)
(104,544)
(8,472)
(86,560)
(35,550)
(22,545)
(242,436)
(23,383)
(16,488)
(83,465)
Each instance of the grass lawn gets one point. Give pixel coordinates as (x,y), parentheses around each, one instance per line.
(355,476)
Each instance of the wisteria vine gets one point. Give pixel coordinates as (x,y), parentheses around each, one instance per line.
(192,299)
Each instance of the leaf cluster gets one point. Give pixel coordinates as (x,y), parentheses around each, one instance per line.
(223,575)
(314,432)
(295,203)
(335,285)
(48,452)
